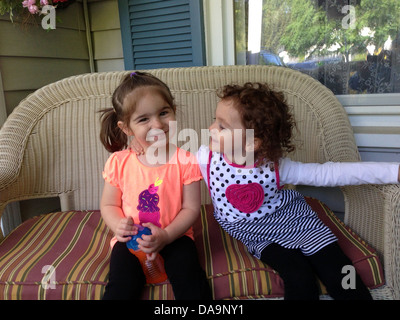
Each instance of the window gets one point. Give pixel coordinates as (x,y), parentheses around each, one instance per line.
(351,46)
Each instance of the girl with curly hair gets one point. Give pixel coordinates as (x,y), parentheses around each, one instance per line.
(276,225)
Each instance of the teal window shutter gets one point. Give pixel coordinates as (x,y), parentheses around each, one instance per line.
(162,34)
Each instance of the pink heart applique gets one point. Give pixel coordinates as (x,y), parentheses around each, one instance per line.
(245,197)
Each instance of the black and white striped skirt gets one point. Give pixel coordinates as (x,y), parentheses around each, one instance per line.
(294,226)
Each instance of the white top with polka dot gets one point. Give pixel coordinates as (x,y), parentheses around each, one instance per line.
(250,206)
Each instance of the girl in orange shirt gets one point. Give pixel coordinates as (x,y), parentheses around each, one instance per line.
(159,189)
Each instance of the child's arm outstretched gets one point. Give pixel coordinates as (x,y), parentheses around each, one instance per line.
(152,244)
(111,212)
(338,174)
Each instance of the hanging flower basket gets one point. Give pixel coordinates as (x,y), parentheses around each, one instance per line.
(29,7)
(34,7)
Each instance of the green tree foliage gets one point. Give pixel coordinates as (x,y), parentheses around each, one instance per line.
(302,27)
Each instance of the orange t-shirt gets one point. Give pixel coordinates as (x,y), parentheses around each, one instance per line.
(151,194)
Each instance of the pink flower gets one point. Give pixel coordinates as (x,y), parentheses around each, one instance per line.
(28,3)
(44,2)
(245,197)
(33,9)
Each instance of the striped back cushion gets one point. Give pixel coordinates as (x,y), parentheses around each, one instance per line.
(65,255)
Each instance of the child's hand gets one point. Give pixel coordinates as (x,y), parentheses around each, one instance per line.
(125,229)
(152,244)
(136,147)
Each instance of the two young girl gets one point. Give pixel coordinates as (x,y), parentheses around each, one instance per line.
(276,225)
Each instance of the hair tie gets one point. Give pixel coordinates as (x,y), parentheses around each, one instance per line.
(133,74)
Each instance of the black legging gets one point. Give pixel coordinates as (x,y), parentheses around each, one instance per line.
(298,272)
(188,280)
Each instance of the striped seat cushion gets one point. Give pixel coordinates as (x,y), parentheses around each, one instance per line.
(235,274)
(65,255)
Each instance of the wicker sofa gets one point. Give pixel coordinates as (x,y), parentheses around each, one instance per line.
(49,147)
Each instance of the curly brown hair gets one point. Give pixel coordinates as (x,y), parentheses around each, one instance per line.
(267,113)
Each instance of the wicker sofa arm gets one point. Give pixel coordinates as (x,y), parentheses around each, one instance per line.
(12,141)
(373,211)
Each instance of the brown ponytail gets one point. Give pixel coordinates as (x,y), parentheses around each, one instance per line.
(111,136)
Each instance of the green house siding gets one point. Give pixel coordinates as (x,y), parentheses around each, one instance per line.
(31,57)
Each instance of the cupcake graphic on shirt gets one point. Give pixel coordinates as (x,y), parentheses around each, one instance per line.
(148,204)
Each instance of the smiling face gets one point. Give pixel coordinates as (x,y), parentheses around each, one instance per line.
(149,123)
